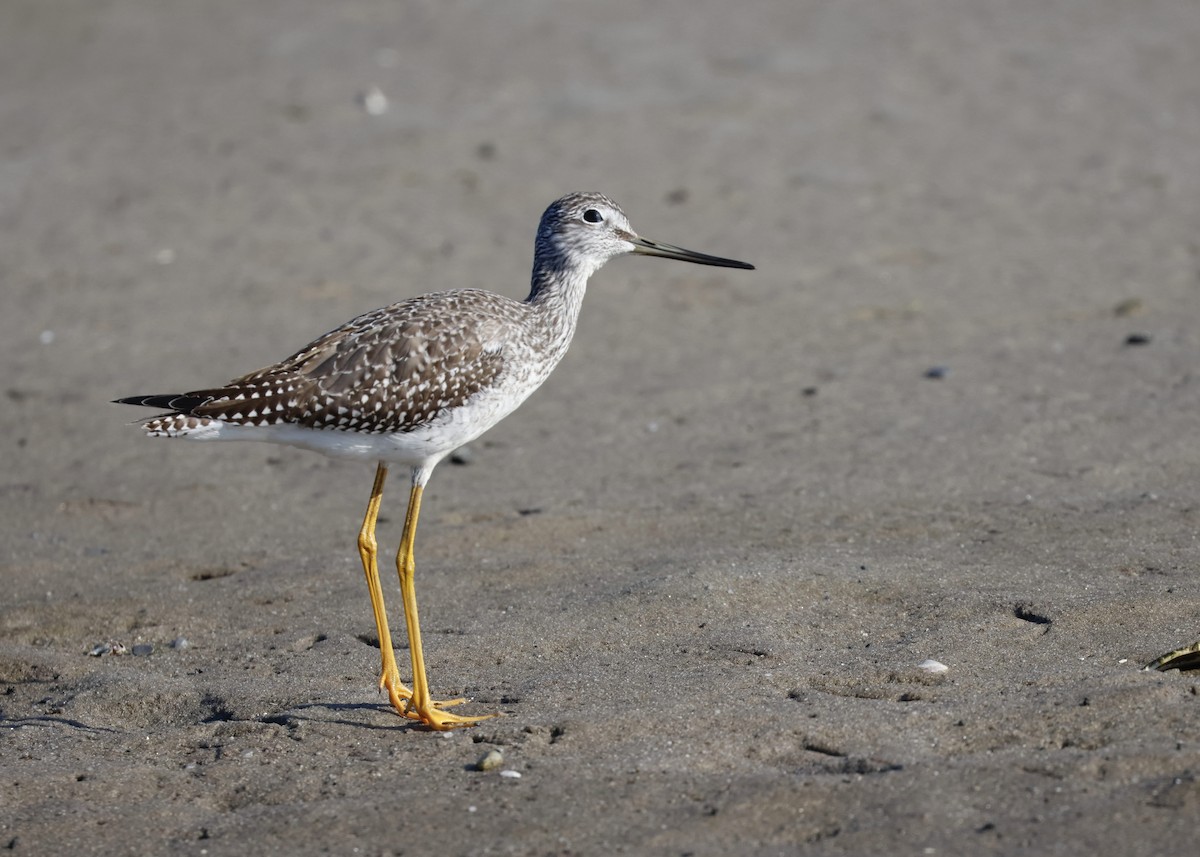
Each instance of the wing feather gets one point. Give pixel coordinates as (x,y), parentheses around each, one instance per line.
(394,369)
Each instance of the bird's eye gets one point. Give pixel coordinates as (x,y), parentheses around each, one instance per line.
(593,216)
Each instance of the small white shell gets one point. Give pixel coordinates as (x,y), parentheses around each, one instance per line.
(374,102)
(932,666)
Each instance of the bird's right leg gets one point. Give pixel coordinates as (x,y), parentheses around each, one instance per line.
(368,550)
(389,678)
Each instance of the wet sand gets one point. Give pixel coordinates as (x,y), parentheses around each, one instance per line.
(951,416)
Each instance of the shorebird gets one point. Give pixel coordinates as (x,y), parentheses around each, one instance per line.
(410,383)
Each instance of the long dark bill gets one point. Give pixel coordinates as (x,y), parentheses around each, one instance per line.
(646,247)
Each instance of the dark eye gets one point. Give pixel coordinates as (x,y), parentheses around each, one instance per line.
(593,216)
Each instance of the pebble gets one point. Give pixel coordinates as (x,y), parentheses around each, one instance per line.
(1129,306)
(510,774)
(180,643)
(490,760)
(143,649)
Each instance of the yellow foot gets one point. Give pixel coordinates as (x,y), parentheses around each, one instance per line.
(431,715)
(396,690)
(401,698)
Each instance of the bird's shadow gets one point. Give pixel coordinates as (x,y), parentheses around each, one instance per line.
(46,720)
(290,719)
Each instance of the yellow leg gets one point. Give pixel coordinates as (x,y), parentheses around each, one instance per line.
(389,678)
(420,706)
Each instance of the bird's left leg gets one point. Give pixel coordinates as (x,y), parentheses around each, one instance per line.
(389,678)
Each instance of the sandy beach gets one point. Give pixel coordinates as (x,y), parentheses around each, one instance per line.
(952,416)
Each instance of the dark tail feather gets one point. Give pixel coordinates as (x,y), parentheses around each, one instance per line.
(171,401)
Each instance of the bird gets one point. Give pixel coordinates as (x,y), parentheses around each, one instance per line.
(407,384)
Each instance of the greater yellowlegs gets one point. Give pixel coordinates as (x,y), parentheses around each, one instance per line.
(410,383)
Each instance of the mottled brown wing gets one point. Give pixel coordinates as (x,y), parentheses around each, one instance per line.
(394,369)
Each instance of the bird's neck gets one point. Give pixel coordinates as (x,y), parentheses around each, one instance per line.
(558,288)
(556,295)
